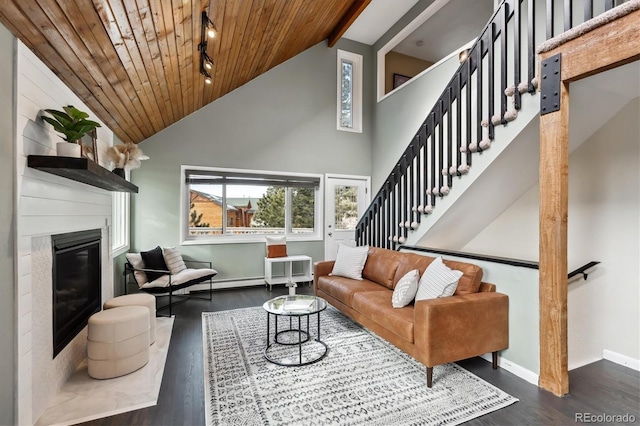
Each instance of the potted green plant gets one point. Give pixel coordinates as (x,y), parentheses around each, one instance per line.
(73,124)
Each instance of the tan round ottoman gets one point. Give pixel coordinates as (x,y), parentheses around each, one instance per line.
(118,341)
(137,299)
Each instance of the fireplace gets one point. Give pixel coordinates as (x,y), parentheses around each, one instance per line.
(77,283)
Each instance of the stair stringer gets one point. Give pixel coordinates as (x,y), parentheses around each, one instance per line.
(456,215)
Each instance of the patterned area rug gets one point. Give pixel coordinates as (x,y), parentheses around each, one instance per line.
(363,380)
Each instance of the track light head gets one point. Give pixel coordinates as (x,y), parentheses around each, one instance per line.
(207,62)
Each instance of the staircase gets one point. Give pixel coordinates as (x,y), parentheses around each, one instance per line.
(486,116)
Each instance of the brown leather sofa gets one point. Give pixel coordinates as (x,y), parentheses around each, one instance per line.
(472,322)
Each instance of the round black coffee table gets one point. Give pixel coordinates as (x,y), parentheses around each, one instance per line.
(296,306)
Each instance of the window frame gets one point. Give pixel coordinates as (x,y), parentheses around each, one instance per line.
(120,222)
(356,83)
(186,239)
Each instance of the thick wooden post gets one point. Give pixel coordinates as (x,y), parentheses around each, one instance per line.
(613,44)
(554,188)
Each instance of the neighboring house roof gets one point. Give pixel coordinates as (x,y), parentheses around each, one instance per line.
(213,198)
(244,202)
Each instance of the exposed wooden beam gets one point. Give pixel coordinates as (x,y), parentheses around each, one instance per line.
(352,14)
(601,49)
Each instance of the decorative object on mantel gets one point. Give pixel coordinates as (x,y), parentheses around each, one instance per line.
(125,156)
(73,124)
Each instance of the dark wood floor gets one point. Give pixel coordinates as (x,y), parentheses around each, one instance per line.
(599,388)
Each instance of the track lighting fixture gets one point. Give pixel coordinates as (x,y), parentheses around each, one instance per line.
(208,32)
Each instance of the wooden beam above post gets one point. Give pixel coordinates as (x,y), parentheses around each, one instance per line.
(606,47)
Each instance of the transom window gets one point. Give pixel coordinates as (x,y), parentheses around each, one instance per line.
(349,91)
(225,205)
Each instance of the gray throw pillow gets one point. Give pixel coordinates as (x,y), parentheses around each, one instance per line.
(406,289)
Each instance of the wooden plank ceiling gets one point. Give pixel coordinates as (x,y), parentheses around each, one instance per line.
(136,63)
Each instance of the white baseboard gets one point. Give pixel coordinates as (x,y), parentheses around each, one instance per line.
(231,283)
(514,368)
(624,360)
(582,363)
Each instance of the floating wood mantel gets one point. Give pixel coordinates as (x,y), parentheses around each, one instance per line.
(81,170)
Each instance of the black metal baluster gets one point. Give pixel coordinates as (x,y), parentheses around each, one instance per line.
(491,71)
(608,5)
(432,137)
(549,18)
(440,144)
(418,176)
(458,120)
(568,14)
(517,62)
(374,223)
(588,9)
(410,173)
(449,106)
(531,42)
(479,94)
(369,227)
(401,199)
(469,114)
(394,222)
(386,233)
(425,162)
(504,59)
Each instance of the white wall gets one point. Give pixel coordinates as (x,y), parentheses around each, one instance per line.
(7,230)
(604,207)
(283,120)
(48,205)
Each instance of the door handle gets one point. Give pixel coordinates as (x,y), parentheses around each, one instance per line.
(330,234)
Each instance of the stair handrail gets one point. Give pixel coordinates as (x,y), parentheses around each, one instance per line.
(402,199)
(497,259)
(476,54)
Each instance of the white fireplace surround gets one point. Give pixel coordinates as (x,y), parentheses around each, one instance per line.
(49,374)
(48,205)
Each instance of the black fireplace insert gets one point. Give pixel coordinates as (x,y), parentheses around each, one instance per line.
(77,283)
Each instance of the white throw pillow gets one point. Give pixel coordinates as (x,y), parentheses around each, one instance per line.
(406,289)
(135,259)
(438,280)
(350,261)
(173,259)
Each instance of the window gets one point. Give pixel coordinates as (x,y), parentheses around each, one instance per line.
(120,222)
(349,91)
(227,205)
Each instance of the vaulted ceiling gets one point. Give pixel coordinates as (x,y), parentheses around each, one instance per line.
(136,63)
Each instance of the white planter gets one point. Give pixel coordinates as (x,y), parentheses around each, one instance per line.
(66,149)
